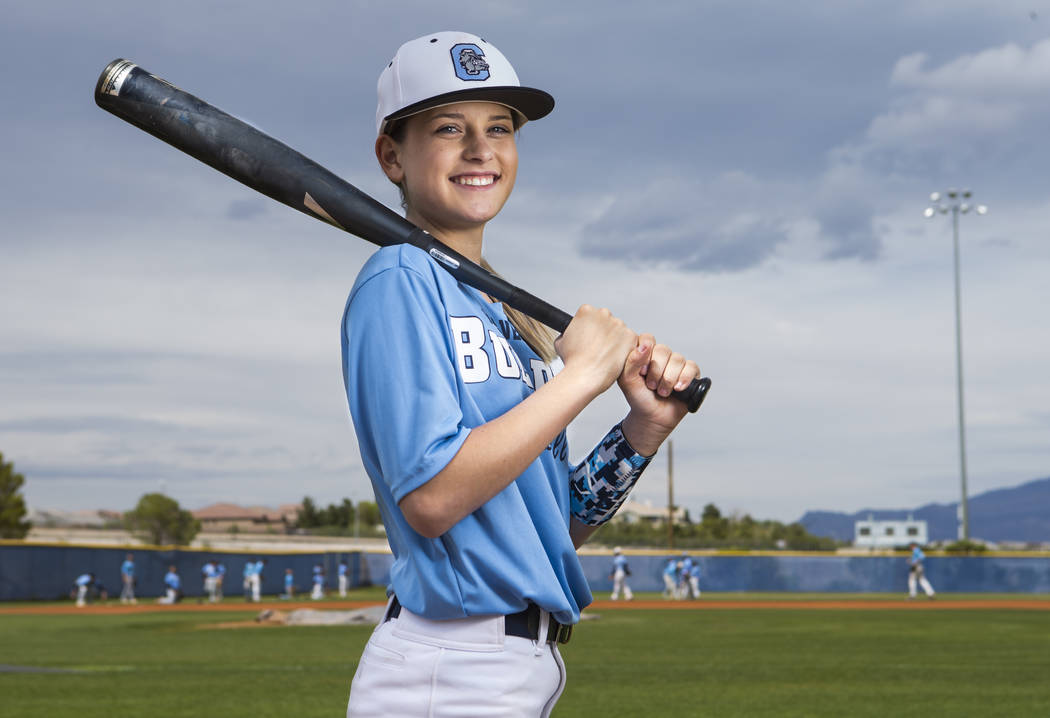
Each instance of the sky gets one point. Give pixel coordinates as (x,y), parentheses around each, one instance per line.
(745,180)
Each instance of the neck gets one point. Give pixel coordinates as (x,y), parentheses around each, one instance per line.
(467,241)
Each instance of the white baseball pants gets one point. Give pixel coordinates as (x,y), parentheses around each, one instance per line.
(620,585)
(462,668)
(918,577)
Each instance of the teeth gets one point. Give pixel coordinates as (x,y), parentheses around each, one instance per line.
(475,181)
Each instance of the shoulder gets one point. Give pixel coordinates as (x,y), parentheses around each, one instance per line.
(398,259)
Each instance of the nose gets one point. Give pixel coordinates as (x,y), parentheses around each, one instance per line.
(477,147)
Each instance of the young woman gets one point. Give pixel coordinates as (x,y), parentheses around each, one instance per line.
(461,420)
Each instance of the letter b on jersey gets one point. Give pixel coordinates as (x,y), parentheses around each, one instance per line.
(468,333)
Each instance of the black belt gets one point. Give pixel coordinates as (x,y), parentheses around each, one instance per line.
(524,624)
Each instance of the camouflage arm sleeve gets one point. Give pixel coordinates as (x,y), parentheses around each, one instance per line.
(600,484)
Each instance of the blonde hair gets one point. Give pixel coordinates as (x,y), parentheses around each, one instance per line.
(537,335)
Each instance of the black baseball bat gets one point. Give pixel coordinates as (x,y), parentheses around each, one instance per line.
(253,158)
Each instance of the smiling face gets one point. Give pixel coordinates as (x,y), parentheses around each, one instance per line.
(456,165)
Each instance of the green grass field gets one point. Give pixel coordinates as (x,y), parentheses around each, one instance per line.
(739,662)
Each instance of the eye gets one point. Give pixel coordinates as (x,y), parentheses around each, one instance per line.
(447,130)
(500,130)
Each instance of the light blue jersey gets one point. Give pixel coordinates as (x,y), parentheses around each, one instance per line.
(172,580)
(249,569)
(210,571)
(83,579)
(426,359)
(619,562)
(917,555)
(127,568)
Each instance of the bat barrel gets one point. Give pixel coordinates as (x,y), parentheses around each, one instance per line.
(244,153)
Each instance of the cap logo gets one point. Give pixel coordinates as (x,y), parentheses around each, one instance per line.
(468,60)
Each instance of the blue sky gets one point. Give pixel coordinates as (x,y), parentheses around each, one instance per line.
(744,179)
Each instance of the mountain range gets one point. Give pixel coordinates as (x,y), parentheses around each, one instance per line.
(1017,514)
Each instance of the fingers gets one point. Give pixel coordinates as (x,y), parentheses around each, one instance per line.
(597,343)
(668,371)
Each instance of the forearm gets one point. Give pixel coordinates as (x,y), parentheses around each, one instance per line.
(645,436)
(496,453)
(603,480)
(580,532)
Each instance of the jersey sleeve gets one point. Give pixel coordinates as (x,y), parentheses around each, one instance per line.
(401,382)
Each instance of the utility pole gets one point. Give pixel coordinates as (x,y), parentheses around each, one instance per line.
(670,494)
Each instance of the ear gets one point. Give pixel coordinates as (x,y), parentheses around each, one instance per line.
(388,152)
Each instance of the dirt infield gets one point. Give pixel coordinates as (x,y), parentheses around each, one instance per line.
(714,604)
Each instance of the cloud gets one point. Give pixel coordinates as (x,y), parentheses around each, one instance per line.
(687,225)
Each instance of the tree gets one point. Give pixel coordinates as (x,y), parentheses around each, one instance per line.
(712,522)
(308,517)
(369,513)
(158,519)
(12,504)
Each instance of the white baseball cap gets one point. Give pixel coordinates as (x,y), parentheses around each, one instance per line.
(447,67)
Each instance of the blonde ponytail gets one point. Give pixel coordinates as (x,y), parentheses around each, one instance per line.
(537,335)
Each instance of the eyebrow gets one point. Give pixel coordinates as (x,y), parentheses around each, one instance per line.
(461,116)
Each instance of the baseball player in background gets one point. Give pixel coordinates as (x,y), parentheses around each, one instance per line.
(249,571)
(670,576)
(694,580)
(685,569)
(317,592)
(916,573)
(289,584)
(619,576)
(256,579)
(220,576)
(173,587)
(83,584)
(344,580)
(127,580)
(460,406)
(211,578)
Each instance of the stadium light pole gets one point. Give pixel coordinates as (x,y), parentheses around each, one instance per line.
(957,203)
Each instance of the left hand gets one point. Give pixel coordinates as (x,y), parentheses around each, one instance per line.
(652,371)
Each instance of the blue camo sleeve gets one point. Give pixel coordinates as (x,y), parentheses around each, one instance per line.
(401,380)
(602,481)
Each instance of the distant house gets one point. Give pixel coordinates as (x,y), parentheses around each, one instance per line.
(633,511)
(224,518)
(84,518)
(894,533)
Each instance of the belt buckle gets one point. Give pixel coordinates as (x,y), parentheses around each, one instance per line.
(559,632)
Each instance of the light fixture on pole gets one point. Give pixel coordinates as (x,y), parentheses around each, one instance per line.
(957,203)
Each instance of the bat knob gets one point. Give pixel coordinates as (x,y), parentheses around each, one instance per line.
(693,395)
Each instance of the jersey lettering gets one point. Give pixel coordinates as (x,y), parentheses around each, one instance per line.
(508,365)
(541,373)
(559,448)
(468,335)
(508,329)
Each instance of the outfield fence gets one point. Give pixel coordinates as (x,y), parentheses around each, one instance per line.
(47,571)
